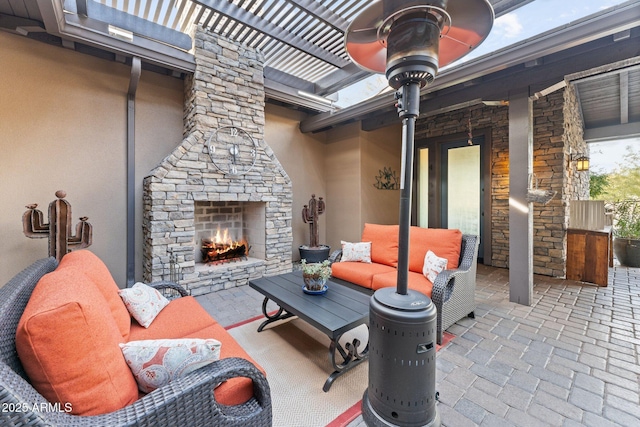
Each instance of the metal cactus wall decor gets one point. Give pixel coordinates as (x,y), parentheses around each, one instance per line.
(58,230)
(310,215)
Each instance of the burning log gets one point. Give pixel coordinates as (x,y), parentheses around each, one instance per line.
(214,251)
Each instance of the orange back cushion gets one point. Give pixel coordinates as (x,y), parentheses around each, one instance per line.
(443,242)
(384,243)
(87,262)
(68,341)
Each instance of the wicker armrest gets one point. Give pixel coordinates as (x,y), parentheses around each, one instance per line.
(445,280)
(335,256)
(443,285)
(170,290)
(187,401)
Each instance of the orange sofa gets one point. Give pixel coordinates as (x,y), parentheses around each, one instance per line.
(453,290)
(67,339)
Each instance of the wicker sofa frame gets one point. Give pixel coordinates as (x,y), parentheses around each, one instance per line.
(187,401)
(453,291)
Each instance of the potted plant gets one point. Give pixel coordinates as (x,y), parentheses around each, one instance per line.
(313,252)
(315,275)
(626,232)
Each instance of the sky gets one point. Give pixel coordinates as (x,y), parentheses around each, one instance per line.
(606,156)
(523,23)
(536,18)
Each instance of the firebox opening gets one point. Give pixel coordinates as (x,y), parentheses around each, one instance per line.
(227,231)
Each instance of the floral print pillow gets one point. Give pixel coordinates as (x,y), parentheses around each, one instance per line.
(143,302)
(433,265)
(356,252)
(156,362)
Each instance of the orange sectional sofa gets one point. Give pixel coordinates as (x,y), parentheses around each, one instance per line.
(68,321)
(452,291)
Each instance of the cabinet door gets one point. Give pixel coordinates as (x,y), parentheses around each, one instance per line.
(576,245)
(596,262)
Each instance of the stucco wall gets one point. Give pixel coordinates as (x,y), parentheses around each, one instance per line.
(63,126)
(343,175)
(302,156)
(380,149)
(353,160)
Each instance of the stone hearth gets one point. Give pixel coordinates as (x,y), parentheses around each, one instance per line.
(226,89)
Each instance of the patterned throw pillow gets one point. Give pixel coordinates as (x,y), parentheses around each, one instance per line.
(156,362)
(143,302)
(433,265)
(356,252)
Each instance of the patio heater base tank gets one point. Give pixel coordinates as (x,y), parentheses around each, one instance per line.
(402,358)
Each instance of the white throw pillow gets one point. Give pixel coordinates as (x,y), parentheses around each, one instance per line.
(156,362)
(356,252)
(143,302)
(433,265)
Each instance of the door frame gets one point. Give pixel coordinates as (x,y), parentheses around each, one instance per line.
(434,145)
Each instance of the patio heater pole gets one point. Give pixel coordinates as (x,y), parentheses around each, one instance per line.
(408,110)
(404,38)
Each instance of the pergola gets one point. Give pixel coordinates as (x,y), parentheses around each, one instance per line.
(305,59)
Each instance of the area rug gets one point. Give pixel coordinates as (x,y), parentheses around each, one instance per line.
(296,358)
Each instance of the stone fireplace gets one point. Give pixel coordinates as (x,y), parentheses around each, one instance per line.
(187,198)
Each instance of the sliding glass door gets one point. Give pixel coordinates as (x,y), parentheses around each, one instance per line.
(450,186)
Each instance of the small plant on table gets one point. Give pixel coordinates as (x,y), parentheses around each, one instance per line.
(315,274)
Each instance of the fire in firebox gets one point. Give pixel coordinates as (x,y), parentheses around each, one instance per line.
(222,248)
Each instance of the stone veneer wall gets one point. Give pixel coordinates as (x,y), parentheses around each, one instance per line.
(556,128)
(226,89)
(577,185)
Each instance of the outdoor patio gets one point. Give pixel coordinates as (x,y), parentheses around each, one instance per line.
(570,359)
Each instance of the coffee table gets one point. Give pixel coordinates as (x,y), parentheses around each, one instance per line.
(337,311)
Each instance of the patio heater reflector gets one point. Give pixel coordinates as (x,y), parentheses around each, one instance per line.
(408,40)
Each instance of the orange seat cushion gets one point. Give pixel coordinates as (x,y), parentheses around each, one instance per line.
(87,262)
(199,325)
(68,341)
(183,316)
(415,281)
(236,390)
(384,243)
(445,243)
(359,273)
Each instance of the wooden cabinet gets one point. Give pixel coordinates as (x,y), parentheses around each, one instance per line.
(589,255)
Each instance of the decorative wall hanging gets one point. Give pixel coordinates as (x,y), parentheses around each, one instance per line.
(232,150)
(58,230)
(386,180)
(536,195)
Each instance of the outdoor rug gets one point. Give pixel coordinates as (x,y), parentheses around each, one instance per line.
(296,358)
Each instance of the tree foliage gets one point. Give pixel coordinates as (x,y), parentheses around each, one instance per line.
(597,184)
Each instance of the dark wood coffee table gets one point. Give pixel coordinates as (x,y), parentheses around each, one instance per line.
(337,311)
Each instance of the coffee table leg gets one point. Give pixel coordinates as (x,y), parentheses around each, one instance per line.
(350,358)
(272,318)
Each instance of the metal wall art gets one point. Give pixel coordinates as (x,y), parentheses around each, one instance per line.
(58,230)
(387,179)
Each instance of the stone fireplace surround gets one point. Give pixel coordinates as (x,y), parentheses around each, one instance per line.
(226,89)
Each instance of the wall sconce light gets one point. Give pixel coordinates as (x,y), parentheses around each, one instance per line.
(582,163)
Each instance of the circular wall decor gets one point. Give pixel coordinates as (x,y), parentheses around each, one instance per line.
(232,150)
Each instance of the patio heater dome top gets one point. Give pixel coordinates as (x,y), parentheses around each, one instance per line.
(410,40)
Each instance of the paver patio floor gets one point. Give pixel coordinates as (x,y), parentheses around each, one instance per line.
(568,359)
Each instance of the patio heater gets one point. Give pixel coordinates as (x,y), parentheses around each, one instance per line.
(408,40)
